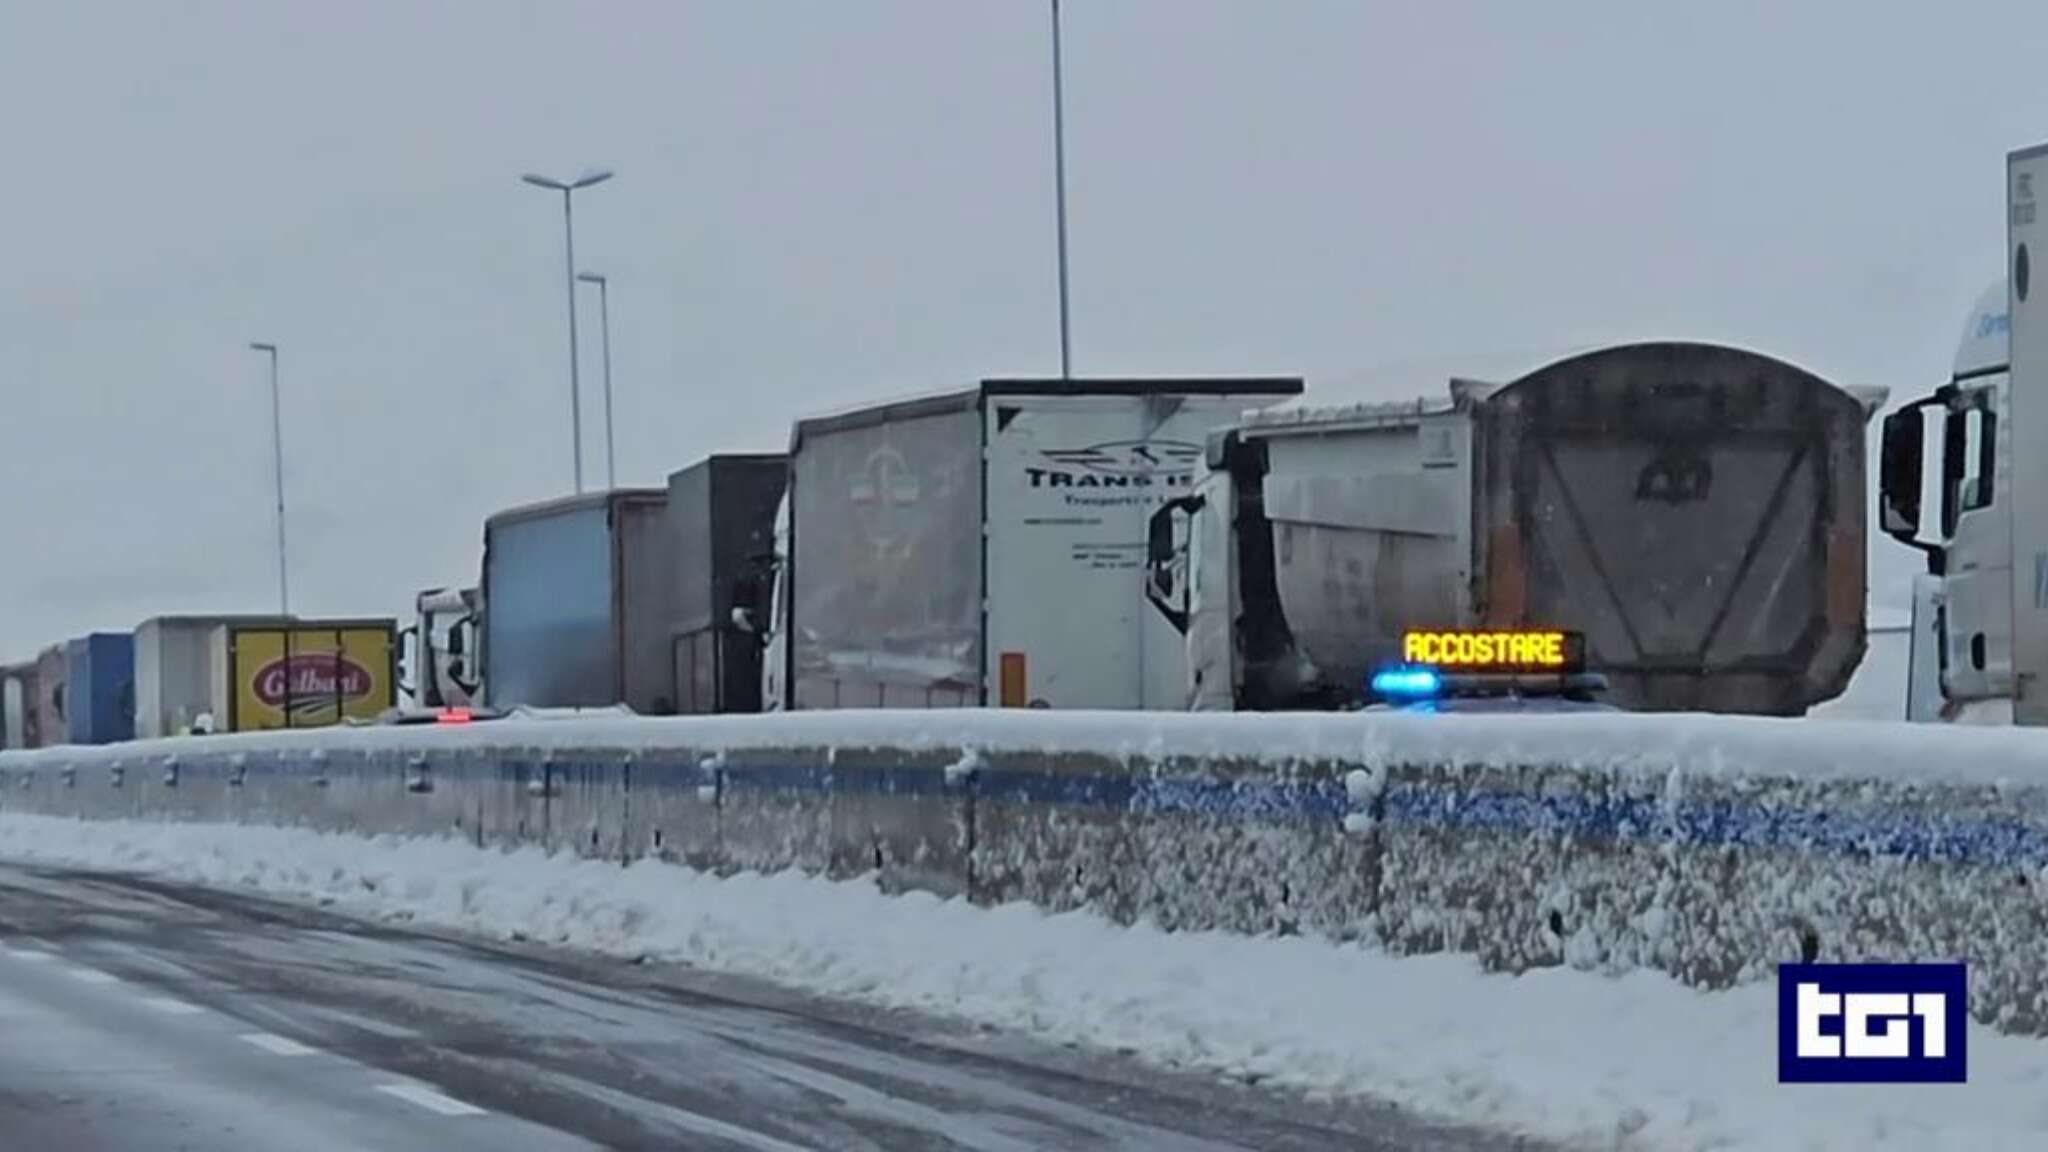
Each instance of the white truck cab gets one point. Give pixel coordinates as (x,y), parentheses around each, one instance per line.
(1951,486)
(441,660)
(1957,513)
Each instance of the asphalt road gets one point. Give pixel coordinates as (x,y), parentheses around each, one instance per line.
(142,1015)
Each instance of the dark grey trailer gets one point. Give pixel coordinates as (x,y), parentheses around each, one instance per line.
(721,512)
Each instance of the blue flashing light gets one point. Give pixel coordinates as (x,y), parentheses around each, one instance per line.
(1410,682)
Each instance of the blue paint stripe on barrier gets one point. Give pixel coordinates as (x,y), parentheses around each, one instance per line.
(1904,834)
(779,778)
(1064,789)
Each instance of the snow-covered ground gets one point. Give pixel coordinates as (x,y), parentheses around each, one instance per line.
(1636,1062)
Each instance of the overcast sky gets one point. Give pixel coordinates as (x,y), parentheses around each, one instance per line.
(823,202)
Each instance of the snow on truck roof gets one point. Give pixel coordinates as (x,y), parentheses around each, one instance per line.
(934,403)
(559,504)
(1398,394)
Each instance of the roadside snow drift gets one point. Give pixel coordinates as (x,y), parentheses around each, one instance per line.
(1631,1061)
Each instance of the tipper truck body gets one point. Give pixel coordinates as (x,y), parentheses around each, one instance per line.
(1696,512)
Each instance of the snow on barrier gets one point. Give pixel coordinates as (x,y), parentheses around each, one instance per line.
(1710,848)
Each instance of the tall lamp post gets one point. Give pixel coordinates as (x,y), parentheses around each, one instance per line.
(568,190)
(1059,162)
(604,325)
(284,599)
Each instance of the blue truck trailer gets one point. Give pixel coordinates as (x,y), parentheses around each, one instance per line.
(99,688)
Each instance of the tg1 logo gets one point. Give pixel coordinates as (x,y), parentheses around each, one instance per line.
(1873,1023)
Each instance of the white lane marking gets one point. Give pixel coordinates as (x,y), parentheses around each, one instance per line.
(94,976)
(174,1007)
(431,1100)
(276,1045)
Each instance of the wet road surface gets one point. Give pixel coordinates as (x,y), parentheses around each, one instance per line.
(137,1014)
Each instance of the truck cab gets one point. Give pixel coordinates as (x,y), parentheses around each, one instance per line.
(1944,489)
(440,649)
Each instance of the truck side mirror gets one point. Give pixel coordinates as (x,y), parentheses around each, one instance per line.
(1899,473)
(1165,583)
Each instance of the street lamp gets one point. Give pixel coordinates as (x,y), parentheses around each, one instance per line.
(568,190)
(604,324)
(284,600)
(1059,161)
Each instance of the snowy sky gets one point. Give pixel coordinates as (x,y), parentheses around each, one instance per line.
(822,202)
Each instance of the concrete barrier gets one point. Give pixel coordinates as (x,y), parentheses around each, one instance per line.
(1709,852)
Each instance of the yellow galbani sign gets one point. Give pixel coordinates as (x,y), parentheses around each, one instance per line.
(310,677)
(1483,651)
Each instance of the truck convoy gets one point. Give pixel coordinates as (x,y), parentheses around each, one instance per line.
(1952,487)
(1695,511)
(986,546)
(81,691)
(615,598)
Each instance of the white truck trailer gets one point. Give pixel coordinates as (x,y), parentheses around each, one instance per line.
(1696,512)
(987,546)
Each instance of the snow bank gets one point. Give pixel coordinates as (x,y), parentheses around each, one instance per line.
(1632,1062)
(1707,848)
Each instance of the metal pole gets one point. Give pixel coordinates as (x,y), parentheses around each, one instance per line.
(284,599)
(575,388)
(1059,149)
(604,319)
